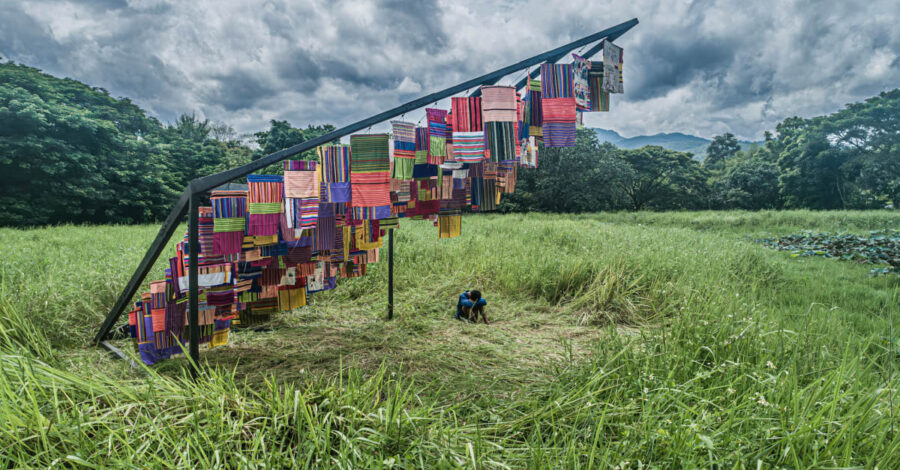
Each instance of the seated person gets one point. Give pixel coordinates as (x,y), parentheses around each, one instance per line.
(470,305)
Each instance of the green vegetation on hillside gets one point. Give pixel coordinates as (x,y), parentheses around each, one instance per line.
(657,339)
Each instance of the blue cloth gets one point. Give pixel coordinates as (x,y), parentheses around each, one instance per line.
(465,302)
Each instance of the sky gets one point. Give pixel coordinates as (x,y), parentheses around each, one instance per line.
(700,67)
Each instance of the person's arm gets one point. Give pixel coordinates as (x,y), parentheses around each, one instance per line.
(482,301)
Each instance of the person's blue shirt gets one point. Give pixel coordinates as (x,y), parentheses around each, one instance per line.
(465,302)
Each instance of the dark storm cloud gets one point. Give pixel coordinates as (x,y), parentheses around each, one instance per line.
(703,66)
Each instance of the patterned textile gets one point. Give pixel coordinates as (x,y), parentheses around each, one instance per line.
(559,122)
(370,174)
(404,149)
(421,145)
(466,116)
(599,98)
(335,171)
(437,135)
(468,146)
(498,103)
(529,153)
(301,184)
(264,203)
(450,226)
(536,115)
(299,165)
(229,221)
(556,82)
(500,140)
(612,68)
(581,88)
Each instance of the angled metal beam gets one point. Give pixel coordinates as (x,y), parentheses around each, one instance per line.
(162,237)
(204,184)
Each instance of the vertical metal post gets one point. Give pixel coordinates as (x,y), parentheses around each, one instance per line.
(390,274)
(194,248)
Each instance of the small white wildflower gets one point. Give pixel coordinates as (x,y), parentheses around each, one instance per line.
(730,391)
(770,365)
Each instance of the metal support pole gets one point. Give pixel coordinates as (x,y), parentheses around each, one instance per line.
(390,274)
(193,316)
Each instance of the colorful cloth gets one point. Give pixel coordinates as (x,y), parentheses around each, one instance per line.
(556,82)
(421,145)
(404,149)
(335,171)
(449,226)
(437,135)
(500,140)
(370,175)
(612,68)
(498,103)
(466,116)
(468,146)
(229,221)
(265,203)
(559,122)
(599,98)
(581,87)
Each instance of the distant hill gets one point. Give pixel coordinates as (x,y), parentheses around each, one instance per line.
(674,141)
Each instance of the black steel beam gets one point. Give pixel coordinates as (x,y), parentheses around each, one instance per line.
(162,237)
(193,274)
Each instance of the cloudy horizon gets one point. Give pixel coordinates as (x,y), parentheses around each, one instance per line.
(699,67)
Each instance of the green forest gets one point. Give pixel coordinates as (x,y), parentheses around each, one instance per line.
(72,153)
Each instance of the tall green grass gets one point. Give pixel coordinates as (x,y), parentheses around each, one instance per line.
(714,352)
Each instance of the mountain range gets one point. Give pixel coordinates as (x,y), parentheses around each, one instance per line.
(673,141)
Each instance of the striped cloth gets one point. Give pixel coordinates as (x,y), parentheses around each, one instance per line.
(500,140)
(370,175)
(335,171)
(580,87)
(559,122)
(466,116)
(264,203)
(437,135)
(421,145)
(556,81)
(301,184)
(612,68)
(449,226)
(229,221)
(599,98)
(468,146)
(299,165)
(498,103)
(404,149)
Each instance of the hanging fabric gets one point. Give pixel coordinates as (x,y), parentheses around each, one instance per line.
(581,87)
(264,203)
(612,68)
(370,176)
(404,149)
(437,135)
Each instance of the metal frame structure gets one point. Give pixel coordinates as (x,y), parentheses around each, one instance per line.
(189,200)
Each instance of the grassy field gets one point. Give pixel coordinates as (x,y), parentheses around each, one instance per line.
(627,340)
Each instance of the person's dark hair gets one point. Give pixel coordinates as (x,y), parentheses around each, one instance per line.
(474,295)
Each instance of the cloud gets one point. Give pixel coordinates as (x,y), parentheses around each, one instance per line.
(702,67)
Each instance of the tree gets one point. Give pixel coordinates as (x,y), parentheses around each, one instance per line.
(750,183)
(721,149)
(657,178)
(576,179)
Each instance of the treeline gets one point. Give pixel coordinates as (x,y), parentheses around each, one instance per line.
(72,153)
(846,160)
